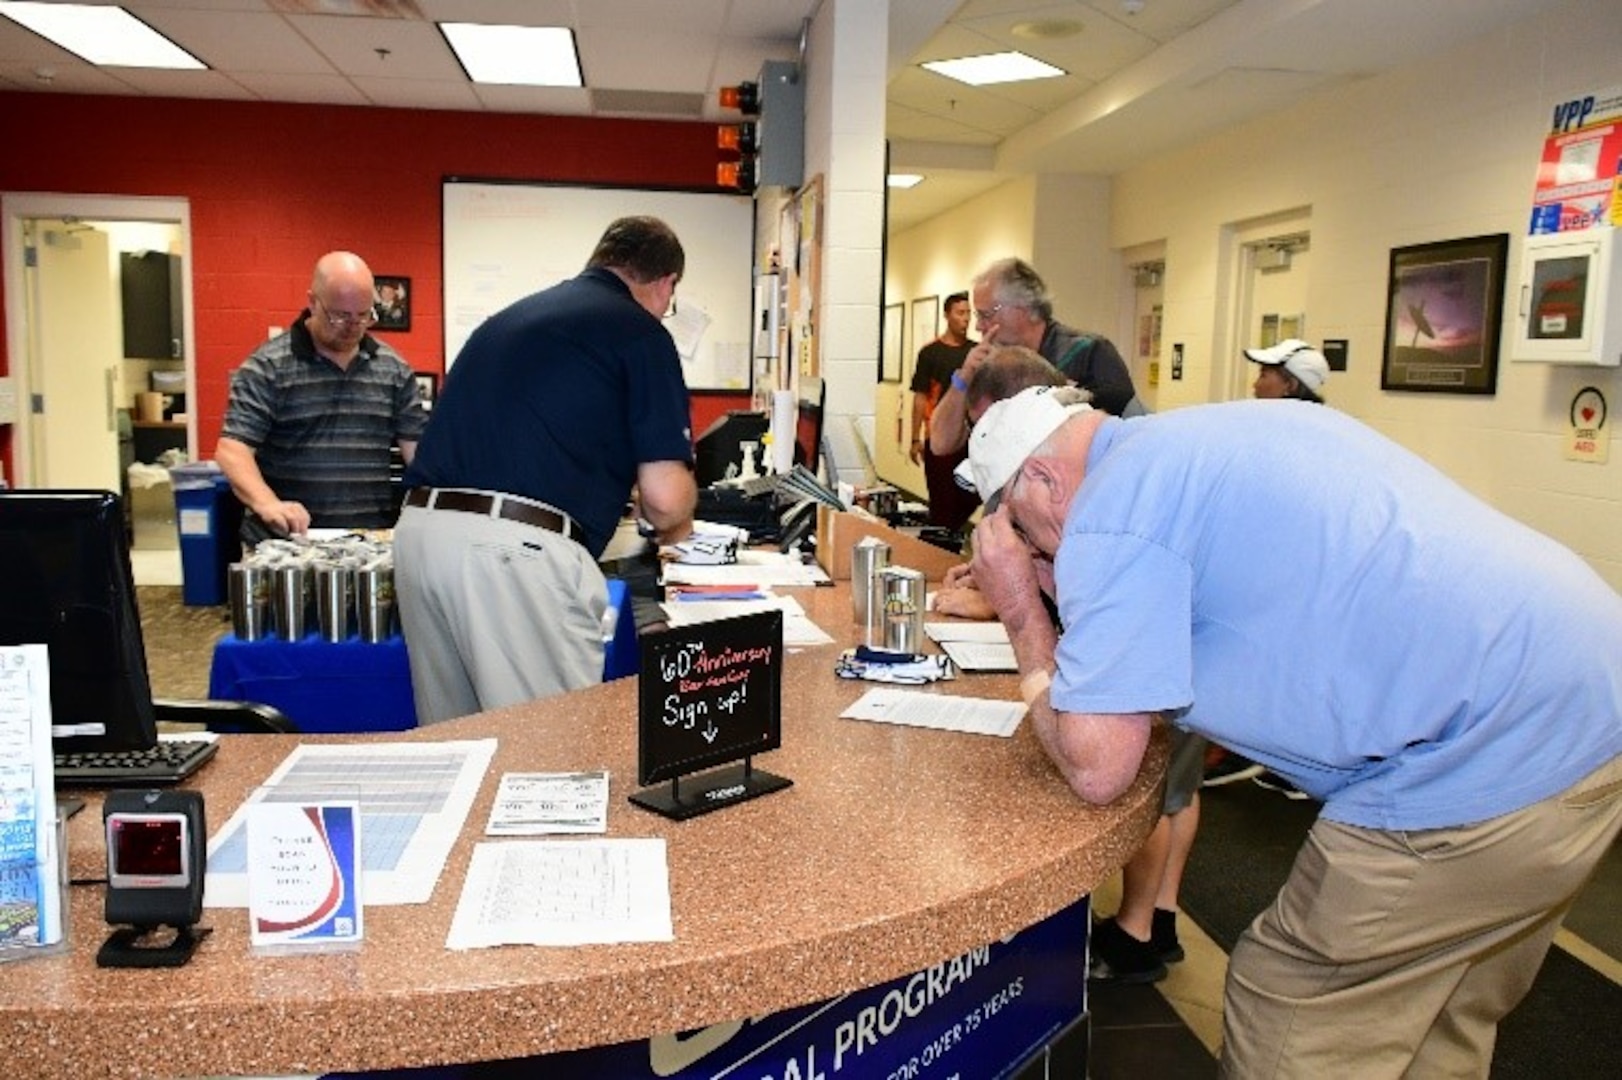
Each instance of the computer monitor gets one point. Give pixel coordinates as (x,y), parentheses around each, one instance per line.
(808,423)
(719,446)
(65,582)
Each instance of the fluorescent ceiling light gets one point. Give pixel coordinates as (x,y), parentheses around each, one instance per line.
(993,68)
(109,36)
(515,55)
(903,180)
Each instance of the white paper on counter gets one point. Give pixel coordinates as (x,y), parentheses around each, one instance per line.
(943,712)
(534,804)
(563,892)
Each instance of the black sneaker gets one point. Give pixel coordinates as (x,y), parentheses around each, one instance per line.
(1163,937)
(1118,957)
(1231,769)
(1272,781)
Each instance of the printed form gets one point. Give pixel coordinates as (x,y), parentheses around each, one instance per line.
(944,712)
(564,892)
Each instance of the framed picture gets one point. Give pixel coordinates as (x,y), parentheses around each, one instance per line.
(890,358)
(427,388)
(1444,303)
(925,322)
(391,302)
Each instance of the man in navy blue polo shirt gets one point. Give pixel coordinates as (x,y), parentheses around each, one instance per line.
(555,409)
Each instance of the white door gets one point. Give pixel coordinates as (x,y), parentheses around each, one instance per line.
(69,421)
(1274,275)
(74,353)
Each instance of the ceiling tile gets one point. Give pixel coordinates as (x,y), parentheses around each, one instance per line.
(418,93)
(237,41)
(649,62)
(73,78)
(500,12)
(944,98)
(556,100)
(652,19)
(415,49)
(157,82)
(329,89)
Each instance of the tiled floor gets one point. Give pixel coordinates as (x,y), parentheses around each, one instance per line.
(1168,1031)
(156,566)
(1174,1028)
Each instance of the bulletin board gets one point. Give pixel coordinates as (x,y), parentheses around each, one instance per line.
(504,240)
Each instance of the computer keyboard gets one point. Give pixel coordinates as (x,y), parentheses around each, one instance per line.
(756,486)
(166,763)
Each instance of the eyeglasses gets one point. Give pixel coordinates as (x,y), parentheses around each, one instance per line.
(670,312)
(345,320)
(985,315)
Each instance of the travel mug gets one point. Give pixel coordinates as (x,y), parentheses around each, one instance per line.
(249,594)
(895,619)
(290,598)
(374,602)
(867,557)
(332,589)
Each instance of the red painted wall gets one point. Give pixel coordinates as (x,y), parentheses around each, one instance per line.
(273,186)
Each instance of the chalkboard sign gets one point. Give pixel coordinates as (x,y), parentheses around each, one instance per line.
(710,694)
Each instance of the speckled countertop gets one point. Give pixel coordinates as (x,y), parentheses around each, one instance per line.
(896,848)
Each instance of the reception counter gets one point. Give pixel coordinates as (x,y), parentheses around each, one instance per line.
(896,848)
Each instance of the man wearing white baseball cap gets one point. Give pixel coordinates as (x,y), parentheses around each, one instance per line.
(1290,369)
(1452,697)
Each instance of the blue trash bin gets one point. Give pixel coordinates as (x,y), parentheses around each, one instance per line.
(208,540)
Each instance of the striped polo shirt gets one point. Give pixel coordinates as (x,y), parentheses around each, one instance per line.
(322,435)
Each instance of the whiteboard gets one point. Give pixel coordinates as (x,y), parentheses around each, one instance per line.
(505,240)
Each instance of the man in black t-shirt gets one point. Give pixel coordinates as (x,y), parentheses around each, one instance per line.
(938,364)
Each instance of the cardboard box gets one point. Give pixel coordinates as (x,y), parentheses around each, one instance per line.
(838,531)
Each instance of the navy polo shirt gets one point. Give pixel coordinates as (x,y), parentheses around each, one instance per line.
(560,397)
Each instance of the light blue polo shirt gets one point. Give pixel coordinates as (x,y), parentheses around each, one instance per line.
(1311,595)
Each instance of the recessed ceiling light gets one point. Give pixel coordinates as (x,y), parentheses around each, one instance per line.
(515,55)
(108,36)
(993,68)
(903,180)
(1047,29)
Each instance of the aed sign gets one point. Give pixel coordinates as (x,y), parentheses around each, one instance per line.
(1589,439)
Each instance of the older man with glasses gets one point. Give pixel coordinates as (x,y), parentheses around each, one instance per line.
(314,412)
(1012,307)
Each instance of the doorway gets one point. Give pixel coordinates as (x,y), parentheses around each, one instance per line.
(75,389)
(1272,262)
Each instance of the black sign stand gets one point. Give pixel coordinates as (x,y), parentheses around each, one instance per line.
(710,699)
(718,788)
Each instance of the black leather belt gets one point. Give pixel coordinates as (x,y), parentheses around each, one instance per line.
(500,506)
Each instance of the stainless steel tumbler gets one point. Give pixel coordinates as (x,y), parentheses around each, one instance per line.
(867,557)
(333,585)
(895,619)
(290,600)
(374,602)
(249,594)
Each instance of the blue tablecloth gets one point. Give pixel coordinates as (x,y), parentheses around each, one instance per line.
(323,686)
(326,686)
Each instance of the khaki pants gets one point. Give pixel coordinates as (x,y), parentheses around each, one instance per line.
(1391,954)
(494,612)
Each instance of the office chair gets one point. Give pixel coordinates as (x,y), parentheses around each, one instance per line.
(226,717)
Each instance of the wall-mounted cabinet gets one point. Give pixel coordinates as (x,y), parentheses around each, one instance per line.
(1570,304)
(151,288)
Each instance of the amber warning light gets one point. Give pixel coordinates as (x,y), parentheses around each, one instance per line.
(745,97)
(739,137)
(736,176)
